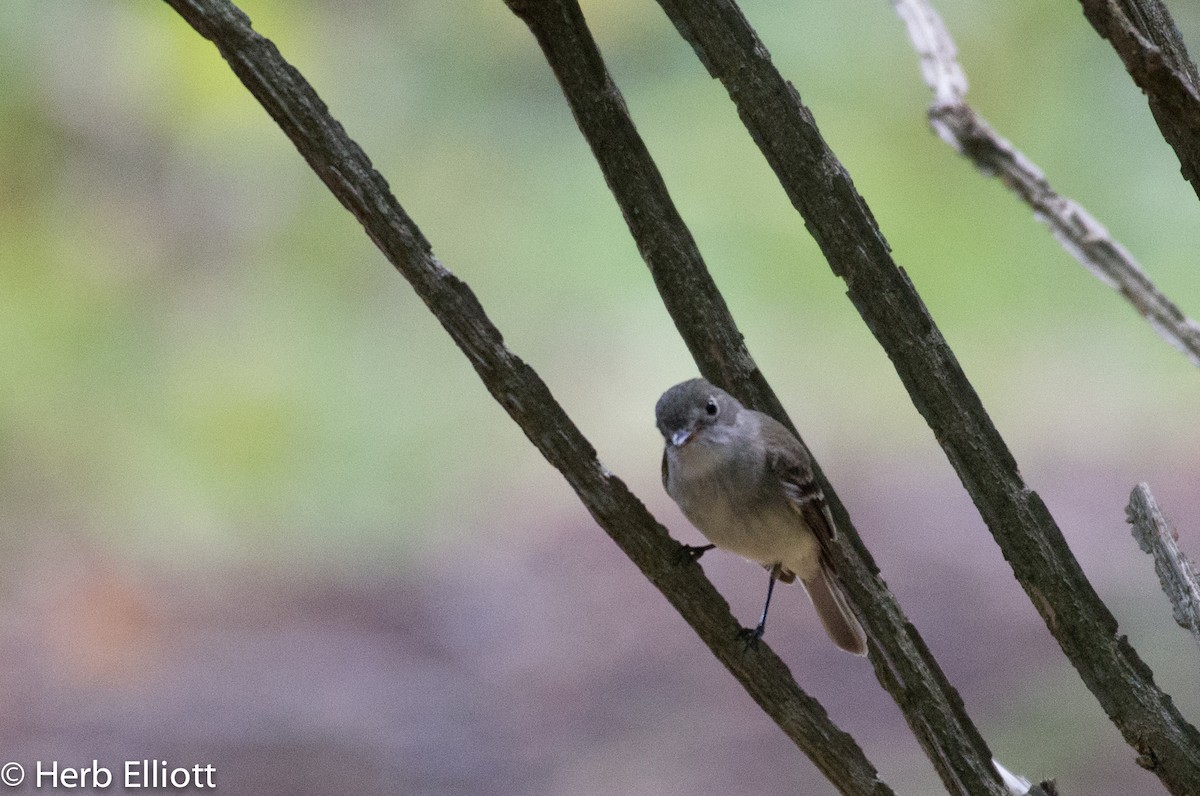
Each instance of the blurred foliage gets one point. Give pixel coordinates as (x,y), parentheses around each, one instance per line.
(204,355)
(205,363)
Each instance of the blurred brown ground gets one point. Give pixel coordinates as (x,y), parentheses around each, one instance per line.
(537,661)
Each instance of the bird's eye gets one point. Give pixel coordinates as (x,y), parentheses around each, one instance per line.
(711,408)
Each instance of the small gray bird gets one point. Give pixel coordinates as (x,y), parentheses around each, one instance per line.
(746,483)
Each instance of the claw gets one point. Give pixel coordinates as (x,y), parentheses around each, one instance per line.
(690,552)
(751,636)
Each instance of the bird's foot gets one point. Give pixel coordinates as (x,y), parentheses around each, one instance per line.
(691,552)
(751,635)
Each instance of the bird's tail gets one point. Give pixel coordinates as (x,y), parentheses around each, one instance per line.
(839,621)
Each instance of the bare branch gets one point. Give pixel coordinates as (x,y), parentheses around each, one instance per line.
(1176,573)
(1080,234)
(1145,37)
(1031,541)
(348,173)
(902,661)
(688,291)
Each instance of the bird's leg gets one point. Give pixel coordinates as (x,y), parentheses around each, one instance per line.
(751,637)
(692,552)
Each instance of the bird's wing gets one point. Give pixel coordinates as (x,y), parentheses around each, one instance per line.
(792,465)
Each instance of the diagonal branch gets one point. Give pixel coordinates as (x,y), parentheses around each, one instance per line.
(902,661)
(1027,534)
(1080,234)
(349,175)
(1176,573)
(1145,37)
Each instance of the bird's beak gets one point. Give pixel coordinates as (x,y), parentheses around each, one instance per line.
(682,437)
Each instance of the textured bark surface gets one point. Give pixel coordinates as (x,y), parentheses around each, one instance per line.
(1084,238)
(348,173)
(902,661)
(1176,573)
(842,224)
(1148,43)
(1027,534)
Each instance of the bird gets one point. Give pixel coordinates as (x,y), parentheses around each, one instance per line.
(746,482)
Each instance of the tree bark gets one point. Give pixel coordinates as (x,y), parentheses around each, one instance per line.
(842,224)
(347,172)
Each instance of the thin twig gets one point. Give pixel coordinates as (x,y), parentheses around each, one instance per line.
(903,663)
(1080,234)
(348,173)
(1027,534)
(1176,572)
(1148,43)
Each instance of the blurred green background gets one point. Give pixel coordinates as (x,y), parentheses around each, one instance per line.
(239,460)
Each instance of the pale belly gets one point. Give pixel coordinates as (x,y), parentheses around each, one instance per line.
(750,519)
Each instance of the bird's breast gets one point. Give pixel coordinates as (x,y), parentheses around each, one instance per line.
(731,499)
